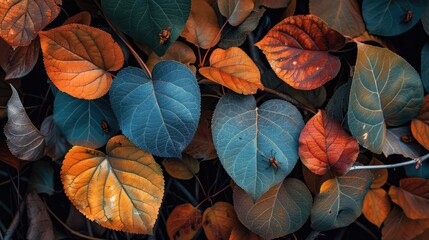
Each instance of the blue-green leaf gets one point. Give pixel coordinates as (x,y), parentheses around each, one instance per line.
(421,172)
(395,145)
(425,65)
(386,90)
(246,137)
(81,121)
(147,20)
(390,18)
(425,19)
(42,178)
(159,115)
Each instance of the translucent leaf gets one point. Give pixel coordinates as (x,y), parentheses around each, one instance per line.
(23,138)
(56,144)
(155,23)
(297,49)
(247,136)
(159,115)
(420,124)
(121,190)
(398,226)
(236,11)
(412,196)
(376,206)
(183,222)
(41,178)
(202,147)
(219,220)
(340,200)
(21,20)
(386,90)
(282,210)
(400,141)
(233,69)
(80,67)
(88,123)
(184,169)
(40,224)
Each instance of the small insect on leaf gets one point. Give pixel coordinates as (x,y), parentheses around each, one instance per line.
(406,139)
(272,161)
(407,17)
(164,35)
(105,126)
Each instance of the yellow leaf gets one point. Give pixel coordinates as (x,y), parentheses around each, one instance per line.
(121,190)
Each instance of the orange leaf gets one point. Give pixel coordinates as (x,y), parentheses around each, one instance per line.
(412,196)
(78,57)
(376,206)
(325,146)
(122,190)
(202,28)
(233,69)
(183,169)
(21,20)
(179,51)
(420,124)
(398,226)
(201,146)
(380,175)
(83,17)
(297,50)
(184,222)
(242,233)
(219,220)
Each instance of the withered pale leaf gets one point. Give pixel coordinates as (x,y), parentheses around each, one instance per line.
(40,225)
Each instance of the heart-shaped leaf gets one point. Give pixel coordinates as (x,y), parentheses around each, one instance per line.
(40,224)
(390,18)
(184,169)
(122,190)
(343,16)
(257,146)
(425,64)
(236,11)
(325,146)
(219,220)
(340,200)
(233,69)
(386,90)
(376,206)
(88,123)
(297,50)
(160,115)
(201,147)
(157,23)
(23,139)
(80,68)
(420,124)
(400,141)
(183,222)
(282,210)
(21,20)
(56,144)
(412,196)
(398,226)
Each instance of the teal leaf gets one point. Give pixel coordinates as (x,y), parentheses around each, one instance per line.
(81,120)
(338,104)
(386,91)
(340,200)
(42,178)
(425,65)
(145,20)
(394,144)
(421,172)
(161,115)
(389,18)
(425,19)
(246,136)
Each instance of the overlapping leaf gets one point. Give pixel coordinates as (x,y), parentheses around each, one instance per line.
(233,69)
(40,224)
(390,18)
(314,181)
(340,200)
(179,51)
(412,196)
(56,144)
(400,141)
(376,206)
(7,157)
(398,226)
(325,146)
(88,123)
(201,146)
(386,90)
(23,139)
(339,102)
(21,20)
(282,210)
(219,220)
(159,115)
(42,178)
(183,222)
(297,50)
(242,233)
(343,16)
(421,172)
(78,57)
(246,136)
(146,21)
(380,175)
(420,124)
(121,190)
(185,168)
(236,11)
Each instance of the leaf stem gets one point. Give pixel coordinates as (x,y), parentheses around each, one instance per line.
(289,99)
(418,161)
(211,45)
(213,195)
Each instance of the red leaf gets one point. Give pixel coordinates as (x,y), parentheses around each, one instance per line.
(412,196)
(398,226)
(297,50)
(325,146)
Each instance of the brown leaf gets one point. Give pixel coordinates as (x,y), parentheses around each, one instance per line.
(83,17)
(398,226)
(20,61)
(184,169)
(40,225)
(420,124)
(380,175)
(314,181)
(297,49)
(183,222)
(202,28)
(236,11)
(21,20)
(376,206)
(201,146)
(179,51)
(412,196)
(219,220)
(233,69)
(7,157)
(80,67)
(240,232)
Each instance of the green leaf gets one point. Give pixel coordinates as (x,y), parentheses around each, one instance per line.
(159,115)
(145,20)
(425,64)
(42,178)
(340,200)
(389,18)
(247,136)
(282,210)
(386,90)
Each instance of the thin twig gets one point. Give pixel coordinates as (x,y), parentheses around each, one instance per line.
(418,161)
(212,196)
(289,99)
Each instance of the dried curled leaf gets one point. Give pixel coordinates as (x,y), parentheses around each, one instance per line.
(183,222)
(78,57)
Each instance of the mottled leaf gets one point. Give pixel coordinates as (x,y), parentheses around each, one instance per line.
(184,168)
(400,141)
(121,190)
(56,144)
(412,196)
(201,147)
(183,222)
(420,124)
(219,220)
(398,226)
(376,206)
(40,225)
(236,11)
